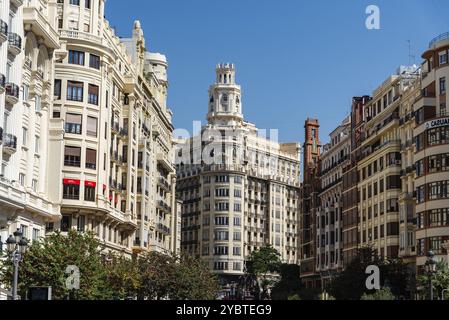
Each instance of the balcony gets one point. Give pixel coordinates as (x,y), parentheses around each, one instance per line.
(3,31)
(162,228)
(2,83)
(35,15)
(81,36)
(162,182)
(9,143)
(123,132)
(163,206)
(12,93)
(14,43)
(115,127)
(17,3)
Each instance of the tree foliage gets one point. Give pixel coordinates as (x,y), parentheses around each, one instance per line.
(46,261)
(440,281)
(261,266)
(382,294)
(103,276)
(290,283)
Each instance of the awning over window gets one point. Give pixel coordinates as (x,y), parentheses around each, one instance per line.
(72,182)
(90,184)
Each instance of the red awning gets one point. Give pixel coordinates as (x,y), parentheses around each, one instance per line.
(90,184)
(72,182)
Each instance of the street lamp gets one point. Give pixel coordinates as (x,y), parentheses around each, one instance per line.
(431,265)
(16,246)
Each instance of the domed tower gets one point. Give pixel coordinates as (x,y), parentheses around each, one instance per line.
(225,105)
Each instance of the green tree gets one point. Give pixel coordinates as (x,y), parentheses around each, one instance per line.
(350,284)
(382,294)
(46,261)
(164,276)
(262,265)
(123,277)
(194,281)
(440,281)
(290,283)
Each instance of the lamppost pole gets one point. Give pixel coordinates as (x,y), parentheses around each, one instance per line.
(16,246)
(431,268)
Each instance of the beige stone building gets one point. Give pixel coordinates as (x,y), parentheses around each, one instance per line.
(113,132)
(379,165)
(329,224)
(240,190)
(431,149)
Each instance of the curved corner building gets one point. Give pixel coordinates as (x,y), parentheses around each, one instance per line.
(432,153)
(110,134)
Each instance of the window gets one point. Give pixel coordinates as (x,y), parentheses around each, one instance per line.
(219,266)
(87,4)
(71,191)
(25,136)
(237,207)
(94,61)
(92,126)
(34,185)
(81,223)
(443,57)
(22,179)
(223,179)
(442,85)
(237,221)
(60,23)
(93,94)
(221,250)
(73,123)
(66,223)
(76,57)
(75,91)
(237,251)
(36,144)
(89,192)
(91,159)
(72,157)
(221,221)
(221,235)
(75,2)
(36,234)
(37,103)
(222,206)
(221,192)
(57,89)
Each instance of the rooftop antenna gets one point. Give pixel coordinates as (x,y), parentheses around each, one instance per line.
(411,57)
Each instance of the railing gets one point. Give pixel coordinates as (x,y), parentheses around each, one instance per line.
(9,141)
(12,90)
(72,163)
(2,80)
(441,37)
(74,34)
(15,40)
(3,28)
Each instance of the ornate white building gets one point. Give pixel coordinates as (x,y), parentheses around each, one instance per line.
(240,190)
(85,132)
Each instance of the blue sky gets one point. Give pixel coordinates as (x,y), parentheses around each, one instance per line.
(295,59)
